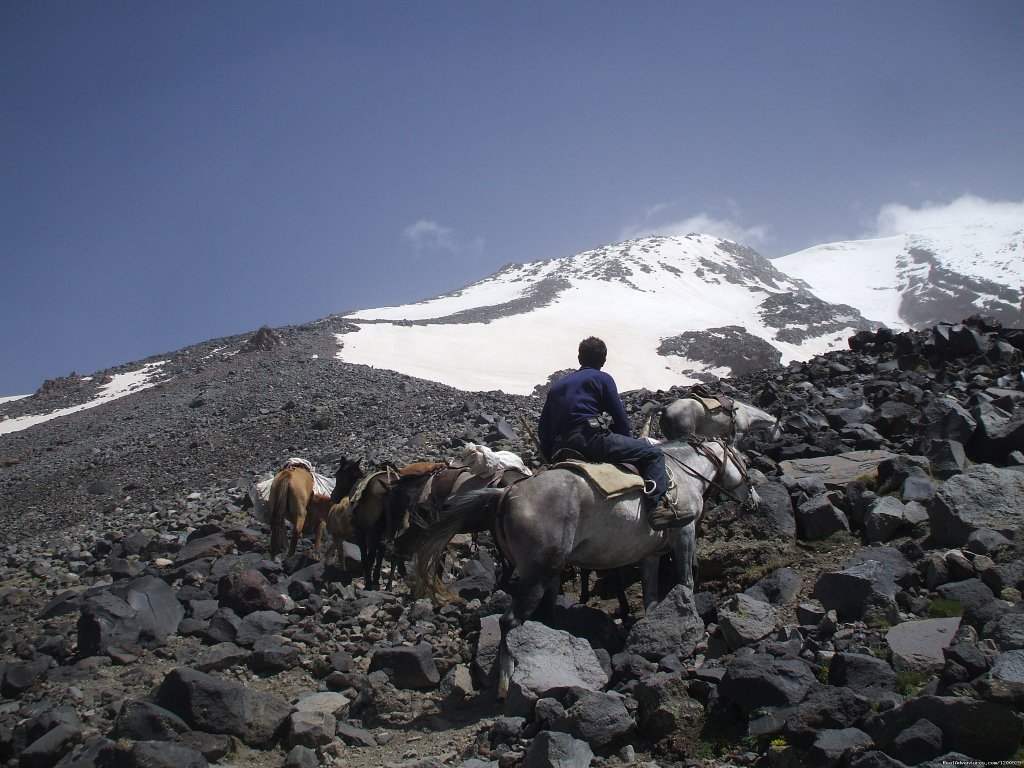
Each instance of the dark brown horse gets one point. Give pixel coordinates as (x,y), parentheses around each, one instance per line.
(360,517)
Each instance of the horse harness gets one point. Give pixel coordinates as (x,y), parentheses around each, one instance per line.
(728,455)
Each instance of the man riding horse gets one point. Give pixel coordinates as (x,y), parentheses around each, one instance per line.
(583,413)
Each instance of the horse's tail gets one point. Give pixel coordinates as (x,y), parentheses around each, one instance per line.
(278,511)
(474,510)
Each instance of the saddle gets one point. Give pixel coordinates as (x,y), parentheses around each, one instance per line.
(613,480)
(714,403)
(357,490)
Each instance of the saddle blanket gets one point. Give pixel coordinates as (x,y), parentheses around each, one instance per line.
(609,478)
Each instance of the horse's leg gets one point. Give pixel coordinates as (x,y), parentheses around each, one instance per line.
(321,524)
(532,587)
(620,589)
(649,582)
(686,554)
(298,506)
(367,561)
(584,585)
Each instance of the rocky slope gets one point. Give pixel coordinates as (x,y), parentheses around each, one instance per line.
(868,613)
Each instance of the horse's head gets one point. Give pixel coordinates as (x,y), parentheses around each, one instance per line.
(349,472)
(735,478)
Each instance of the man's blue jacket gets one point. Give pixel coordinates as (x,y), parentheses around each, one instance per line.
(575,398)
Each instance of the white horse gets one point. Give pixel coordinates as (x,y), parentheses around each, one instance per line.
(691,417)
(556,518)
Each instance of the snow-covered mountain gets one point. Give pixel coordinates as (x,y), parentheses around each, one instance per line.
(921,278)
(673,310)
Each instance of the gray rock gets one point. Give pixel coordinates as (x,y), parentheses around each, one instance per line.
(485,660)
(883,519)
(779,586)
(921,741)
(245,590)
(335,704)
(1000,576)
(876,759)
(19,676)
(600,719)
(265,716)
(145,721)
(824,708)
(944,419)
(776,506)
(895,564)
(223,627)
(980,729)
(756,680)
(216,706)
(836,471)
(259,624)
(162,754)
(311,729)
(354,736)
(270,658)
(918,646)
(547,661)
(744,620)
(107,622)
(947,458)
(665,705)
(817,518)
(835,746)
(847,591)
(972,594)
(861,672)
(551,749)
(203,701)
(1009,667)
(999,432)
(221,656)
(50,747)
(983,496)
(158,610)
(1008,631)
(301,757)
(673,627)
(407,666)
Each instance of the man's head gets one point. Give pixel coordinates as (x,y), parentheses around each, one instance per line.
(593,352)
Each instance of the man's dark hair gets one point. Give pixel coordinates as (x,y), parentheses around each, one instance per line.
(593,352)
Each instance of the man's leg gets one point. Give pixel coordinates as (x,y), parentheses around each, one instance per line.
(648,458)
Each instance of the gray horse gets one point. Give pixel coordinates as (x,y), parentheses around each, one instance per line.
(690,417)
(557,519)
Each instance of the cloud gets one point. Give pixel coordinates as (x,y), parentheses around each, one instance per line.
(896,218)
(657,221)
(430,236)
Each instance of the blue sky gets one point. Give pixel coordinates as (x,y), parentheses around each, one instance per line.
(175,172)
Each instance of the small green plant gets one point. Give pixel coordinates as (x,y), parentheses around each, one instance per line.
(943,608)
(870,480)
(909,683)
(823,674)
(779,741)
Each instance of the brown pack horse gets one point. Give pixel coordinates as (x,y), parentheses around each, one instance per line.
(293,499)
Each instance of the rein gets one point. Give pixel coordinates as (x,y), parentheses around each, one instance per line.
(720,466)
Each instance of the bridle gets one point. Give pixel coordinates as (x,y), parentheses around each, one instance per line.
(720,465)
